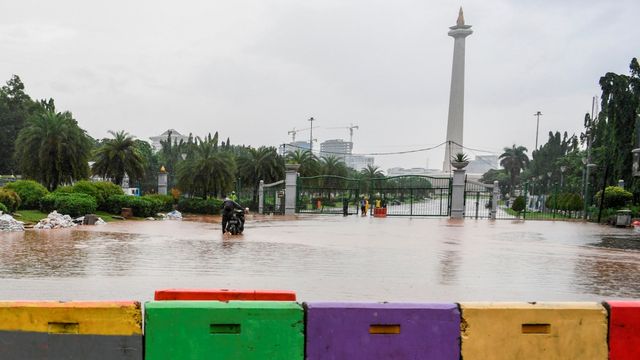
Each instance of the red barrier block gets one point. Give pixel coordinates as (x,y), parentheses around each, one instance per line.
(624,329)
(225,295)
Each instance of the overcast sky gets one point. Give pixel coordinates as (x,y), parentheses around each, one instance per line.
(255,69)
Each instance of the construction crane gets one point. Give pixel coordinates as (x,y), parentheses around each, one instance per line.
(293,133)
(351,127)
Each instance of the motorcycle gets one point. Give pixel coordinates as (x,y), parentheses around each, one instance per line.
(235,225)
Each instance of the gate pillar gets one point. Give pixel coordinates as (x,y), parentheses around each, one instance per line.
(261,197)
(457,194)
(290,191)
(494,203)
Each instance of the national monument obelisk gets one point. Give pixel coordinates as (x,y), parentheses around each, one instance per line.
(456,97)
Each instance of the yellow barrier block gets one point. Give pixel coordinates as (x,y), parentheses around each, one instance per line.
(534,331)
(74,317)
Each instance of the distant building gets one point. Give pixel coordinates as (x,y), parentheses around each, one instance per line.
(358,162)
(336,147)
(399,171)
(482,163)
(175,137)
(294,146)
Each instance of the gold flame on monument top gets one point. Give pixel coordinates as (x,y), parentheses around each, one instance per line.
(460,21)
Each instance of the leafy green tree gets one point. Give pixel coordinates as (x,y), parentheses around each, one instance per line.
(501,176)
(263,163)
(309,164)
(149,182)
(117,157)
(15,108)
(514,160)
(208,171)
(560,150)
(615,129)
(170,155)
(53,149)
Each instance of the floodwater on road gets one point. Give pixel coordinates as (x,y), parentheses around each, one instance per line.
(327,258)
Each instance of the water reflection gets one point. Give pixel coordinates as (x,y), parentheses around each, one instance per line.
(325,258)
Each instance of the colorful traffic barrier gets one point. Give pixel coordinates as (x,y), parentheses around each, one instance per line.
(225,295)
(624,329)
(71,330)
(534,331)
(382,331)
(224,330)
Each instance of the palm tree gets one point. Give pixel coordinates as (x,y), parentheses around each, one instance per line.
(208,171)
(309,164)
(263,163)
(514,160)
(53,149)
(331,165)
(371,172)
(117,157)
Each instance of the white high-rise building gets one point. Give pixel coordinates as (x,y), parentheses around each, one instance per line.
(455,122)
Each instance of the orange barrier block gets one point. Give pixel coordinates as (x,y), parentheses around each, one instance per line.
(380,212)
(624,329)
(225,294)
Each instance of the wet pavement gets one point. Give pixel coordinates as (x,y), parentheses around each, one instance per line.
(327,258)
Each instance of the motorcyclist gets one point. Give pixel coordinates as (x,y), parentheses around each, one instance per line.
(228,207)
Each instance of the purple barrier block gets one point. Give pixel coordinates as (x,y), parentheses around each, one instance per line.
(382,331)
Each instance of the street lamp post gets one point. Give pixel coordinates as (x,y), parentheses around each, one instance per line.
(541,204)
(563,168)
(311,120)
(537,115)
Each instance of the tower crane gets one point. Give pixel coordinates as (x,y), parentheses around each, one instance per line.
(294,131)
(351,127)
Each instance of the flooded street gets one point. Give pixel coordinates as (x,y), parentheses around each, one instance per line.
(327,258)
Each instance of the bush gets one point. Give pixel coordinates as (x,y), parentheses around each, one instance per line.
(74,204)
(141,206)
(565,201)
(30,193)
(10,199)
(3,208)
(200,206)
(99,190)
(106,189)
(615,197)
(86,187)
(166,201)
(518,204)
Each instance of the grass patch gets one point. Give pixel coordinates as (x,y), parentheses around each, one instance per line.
(536,215)
(33,216)
(30,216)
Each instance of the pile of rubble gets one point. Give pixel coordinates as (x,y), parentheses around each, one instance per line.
(173,215)
(8,223)
(55,221)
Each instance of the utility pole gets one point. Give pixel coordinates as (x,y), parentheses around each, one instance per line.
(311,120)
(538,114)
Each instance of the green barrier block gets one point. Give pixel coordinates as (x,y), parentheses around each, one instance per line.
(224,330)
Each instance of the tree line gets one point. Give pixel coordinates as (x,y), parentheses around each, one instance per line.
(41,143)
(610,135)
